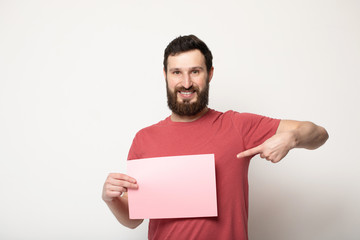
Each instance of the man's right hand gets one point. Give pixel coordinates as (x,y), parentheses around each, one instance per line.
(116,184)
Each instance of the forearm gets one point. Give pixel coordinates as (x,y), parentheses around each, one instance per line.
(290,134)
(119,207)
(308,135)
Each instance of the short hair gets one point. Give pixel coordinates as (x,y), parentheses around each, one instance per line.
(187,43)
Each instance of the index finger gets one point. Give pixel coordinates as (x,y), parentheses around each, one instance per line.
(250,152)
(121,176)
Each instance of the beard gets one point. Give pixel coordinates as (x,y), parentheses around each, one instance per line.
(185,108)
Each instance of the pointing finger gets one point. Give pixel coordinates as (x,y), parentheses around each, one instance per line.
(250,152)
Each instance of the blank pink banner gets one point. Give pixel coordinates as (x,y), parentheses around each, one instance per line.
(173,187)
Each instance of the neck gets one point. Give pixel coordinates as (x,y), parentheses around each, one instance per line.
(177,118)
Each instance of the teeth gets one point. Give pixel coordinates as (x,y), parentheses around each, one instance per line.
(186,93)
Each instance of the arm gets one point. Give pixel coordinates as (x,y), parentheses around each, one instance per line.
(290,134)
(303,134)
(115,196)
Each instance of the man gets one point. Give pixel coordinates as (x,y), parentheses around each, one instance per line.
(193,128)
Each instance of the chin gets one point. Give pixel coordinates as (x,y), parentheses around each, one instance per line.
(186,101)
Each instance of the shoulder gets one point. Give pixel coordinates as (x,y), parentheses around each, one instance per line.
(152,128)
(243,116)
(246,120)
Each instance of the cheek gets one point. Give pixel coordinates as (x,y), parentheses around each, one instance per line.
(171,82)
(174,86)
(200,83)
(170,85)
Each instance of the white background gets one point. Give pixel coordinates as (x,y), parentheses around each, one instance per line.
(78,79)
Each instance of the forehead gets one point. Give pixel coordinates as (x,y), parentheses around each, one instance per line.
(186,59)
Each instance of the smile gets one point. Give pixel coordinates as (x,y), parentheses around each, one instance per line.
(186,93)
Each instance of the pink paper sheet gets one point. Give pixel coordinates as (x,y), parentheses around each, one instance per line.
(173,187)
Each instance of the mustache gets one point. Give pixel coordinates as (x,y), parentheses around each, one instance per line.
(192,88)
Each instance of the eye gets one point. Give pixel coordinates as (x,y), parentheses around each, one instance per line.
(176,72)
(195,71)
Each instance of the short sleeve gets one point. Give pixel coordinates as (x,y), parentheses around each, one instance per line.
(134,150)
(254,129)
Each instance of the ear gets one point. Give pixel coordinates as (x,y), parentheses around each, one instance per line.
(211,73)
(164,72)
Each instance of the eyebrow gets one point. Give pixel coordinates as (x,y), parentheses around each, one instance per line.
(190,68)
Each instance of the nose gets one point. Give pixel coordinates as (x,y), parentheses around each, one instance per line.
(186,82)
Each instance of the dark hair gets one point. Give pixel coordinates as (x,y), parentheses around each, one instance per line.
(187,43)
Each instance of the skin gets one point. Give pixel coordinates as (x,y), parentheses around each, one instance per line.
(115,196)
(187,69)
(290,134)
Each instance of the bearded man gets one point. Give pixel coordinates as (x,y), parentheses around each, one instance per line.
(193,128)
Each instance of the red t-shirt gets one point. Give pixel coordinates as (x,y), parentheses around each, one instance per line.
(225,135)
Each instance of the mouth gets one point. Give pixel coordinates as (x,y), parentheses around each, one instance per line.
(186,94)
